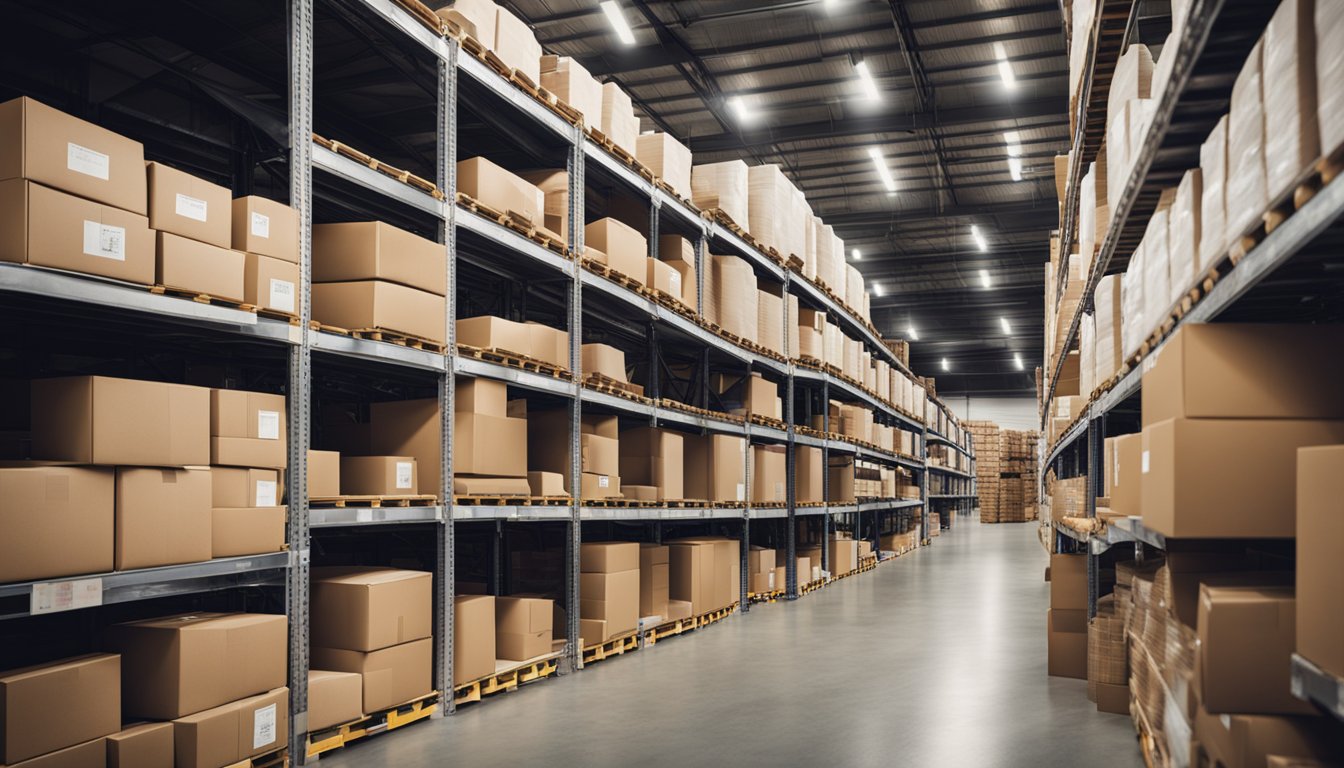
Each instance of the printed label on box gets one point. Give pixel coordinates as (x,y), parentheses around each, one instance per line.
(56,596)
(190,207)
(676,283)
(282,295)
(741,492)
(104,240)
(263,726)
(268,425)
(266,494)
(261,225)
(603,481)
(1144,470)
(89,162)
(404,474)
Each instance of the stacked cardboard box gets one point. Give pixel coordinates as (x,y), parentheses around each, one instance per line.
(678,254)
(715,467)
(523,627)
(491,449)
(473,637)
(651,462)
(761,571)
(609,590)
(533,340)
(1108,658)
(668,158)
(654,579)
(35,720)
(723,187)
(1066,620)
(1320,550)
(600,459)
(572,84)
(705,572)
(248,450)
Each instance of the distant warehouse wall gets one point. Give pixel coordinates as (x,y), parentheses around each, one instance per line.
(1007,412)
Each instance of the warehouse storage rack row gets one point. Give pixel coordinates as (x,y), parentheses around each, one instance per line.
(1288,274)
(377,52)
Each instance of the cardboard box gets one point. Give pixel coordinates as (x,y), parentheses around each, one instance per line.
(100,420)
(59,521)
(662,276)
(1246,636)
(182,204)
(572,84)
(410,428)
(549,345)
(1187,491)
(365,608)
(1247,195)
(803,570)
(1125,476)
(239,487)
(669,159)
(844,554)
(715,467)
(236,531)
(730,289)
(483,396)
(489,445)
(1213,235)
(625,248)
(1066,649)
(495,486)
(554,186)
(473,637)
(367,304)
(1262,371)
(162,517)
(516,46)
(392,676)
(57,150)
(1320,550)
(808,474)
(1068,582)
(53,229)
(188,265)
(1292,137)
(678,609)
(1243,741)
(373,250)
(522,627)
(477,17)
(768,474)
(334,698)
(763,583)
(654,579)
(324,474)
(546,484)
(56,705)
(760,560)
(604,359)
(248,429)
(232,732)
(599,455)
(147,745)
(265,227)
(90,754)
(1113,698)
(653,457)
(618,117)
(270,283)
(378,476)
(608,556)
(722,186)
(500,189)
(495,333)
(175,665)
(611,597)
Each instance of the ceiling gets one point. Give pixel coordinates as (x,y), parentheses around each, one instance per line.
(940,123)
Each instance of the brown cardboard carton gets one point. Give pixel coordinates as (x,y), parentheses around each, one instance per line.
(477,18)
(236,531)
(549,345)
(1320,550)
(808,474)
(49,147)
(1068,582)
(1238,371)
(238,487)
(669,159)
(844,555)
(569,81)
(546,484)
(618,117)
(767,474)
(650,456)
(715,467)
(489,445)
(654,579)
(1188,492)
(516,46)
(99,420)
(90,754)
(1245,641)
(600,455)
(265,227)
(522,627)
(1292,136)
(604,359)
(660,276)
(270,283)
(612,597)
(53,229)
(60,521)
(803,569)
(378,476)
(410,428)
(484,396)
(334,698)
(324,474)
(1125,474)
(554,186)
(232,732)
(1243,741)
(626,250)
(365,608)
(496,486)
(51,706)
(763,583)
(147,745)
(189,265)
(163,517)
(365,304)
(1113,698)
(176,665)
(373,250)
(248,429)
(182,204)
(1066,650)
(473,637)
(760,560)
(495,333)
(608,556)
(500,189)
(840,474)
(392,676)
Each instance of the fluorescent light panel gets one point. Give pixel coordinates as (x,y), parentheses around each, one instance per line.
(1017,361)
(979,238)
(877,290)
(946,367)
(618,23)
(1005,67)
(984,278)
(1014,142)
(912,333)
(867,81)
(883,171)
(1008,329)
(857,254)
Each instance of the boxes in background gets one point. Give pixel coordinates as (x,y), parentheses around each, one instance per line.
(334,698)
(549,345)
(248,429)
(516,46)
(163,517)
(1068,582)
(654,579)
(722,186)
(608,556)
(669,159)
(147,745)
(498,188)
(489,445)
(625,248)
(270,283)
(714,467)
(546,484)
(188,265)
(1320,550)
(605,360)
(373,250)
(808,474)
(569,81)
(1125,473)
(392,676)
(1247,195)
(377,304)
(365,608)
(495,333)
(473,637)
(618,117)
(265,227)
(379,476)
(53,229)
(554,186)
(1243,741)
(522,627)
(65,533)
(236,531)
(1066,642)
(232,732)
(768,474)
(182,204)
(409,428)
(611,597)
(662,276)
(1292,137)
(654,457)
(51,706)
(324,474)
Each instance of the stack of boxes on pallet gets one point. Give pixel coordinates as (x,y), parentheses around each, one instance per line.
(986,437)
(1018,476)
(609,586)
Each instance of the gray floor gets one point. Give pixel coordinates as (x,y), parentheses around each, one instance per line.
(937,658)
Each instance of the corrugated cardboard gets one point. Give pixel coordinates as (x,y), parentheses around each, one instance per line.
(608,556)
(265,227)
(176,665)
(248,429)
(1068,582)
(238,487)
(270,283)
(51,706)
(1320,550)
(546,484)
(604,359)
(768,474)
(182,204)
(500,189)
(516,46)
(661,276)
(522,627)
(366,304)
(59,519)
(1113,698)
(410,428)
(715,467)
(391,676)
(473,637)
(808,474)
(52,229)
(618,117)
(760,560)
(90,754)
(495,333)
(163,517)
(1247,195)
(236,531)
(722,186)
(654,579)
(373,250)
(484,396)
(572,84)
(1066,643)
(497,486)
(379,476)
(653,457)
(188,265)
(549,345)
(1292,138)
(1245,641)
(490,445)
(669,159)
(147,745)
(58,150)
(365,608)
(1126,475)
(625,248)
(597,486)
(611,597)
(324,473)
(733,295)
(232,732)
(1244,741)
(334,698)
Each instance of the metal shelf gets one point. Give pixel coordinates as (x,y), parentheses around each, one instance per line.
(885,505)
(470,366)
(809,441)
(937,439)
(1133,528)
(934,496)
(1067,439)
(462,512)
(745,250)
(375,351)
(344,168)
(351,516)
(1311,683)
(680,418)
(655,514)
(507,238)
(948,471)
(513,96)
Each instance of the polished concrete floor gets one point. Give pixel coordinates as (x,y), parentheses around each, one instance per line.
(935,659)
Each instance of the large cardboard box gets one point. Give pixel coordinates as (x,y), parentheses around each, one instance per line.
(732,295)
(365,608)
(1292,137)
(722,186)
(715,467)
(1320,550)
(608,556)
(618,117)
(625,248)
(554,186)
(1125,474)
(569,81)
(147,745)
(334,698)
(654,583)
(100,420)
(1068,582)
(706,572)
(324,474)
(1245,641)
(1244,741)
(248,429)
(392,676)
(182,204)
(490,445)
(500,189)
(1188,492)
(237,531)
(232,732)
(669,159)
(90,754)
(366,304)
(189,265)
(808,472)
(844,554)
(473,637)
(59,521)
(270,283)
(546,484)
(1262,371)
(654,457)
(768,474)
(1066,643)
(53,229)
(523,628)
(549,345)
(265,227)
(162,517)
(516,46)
(239,487)
(611,597)
(604,359)
(379,476)
(1247,195)
(373,250)
(495,333)
(50,706)
(52,148)
(176,665)
(760,560)
(410,428)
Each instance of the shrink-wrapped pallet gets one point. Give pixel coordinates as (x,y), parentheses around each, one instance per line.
(769,204)
(1213,238)
(722,186)
(667,158)
(1132,304)
(1247,195)
(735,296)
(1292,137)
(1106,302)
(1183,232)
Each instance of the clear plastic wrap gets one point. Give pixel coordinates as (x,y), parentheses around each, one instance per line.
(722,186)
(1183,235)
(1292,137)
(1330,69)
(1213,196)
(1106,302)
(1247,197)
(1156,278)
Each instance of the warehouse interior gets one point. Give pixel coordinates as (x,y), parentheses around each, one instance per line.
(588,382)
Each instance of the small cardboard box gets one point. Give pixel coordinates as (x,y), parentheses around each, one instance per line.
(189,265)
(270,283)
(498,188)
(147,745)
(248,429)
(1066,643)
(392,676)
(232,732)
(546,484)
(378,476)
(596,486)
(522,627)
(604,359)
(238,487)
(484,396)
(608,557)
(612,598)
(473,637)
(51,706)
(364,608)
(237,531)
(324,474)
(64,533)
(662,276)
(182,204)
(334,698)
(163,517)
(489,445)
(366,304)
(263,226)
(373,250)
(495,333)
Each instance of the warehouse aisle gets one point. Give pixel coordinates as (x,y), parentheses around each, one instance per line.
(937,658)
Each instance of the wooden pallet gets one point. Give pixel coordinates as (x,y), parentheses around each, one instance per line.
(481,500)
(768,504)
(616,276)
(277,759)
(385,335)
(602,383)
(516,222)
(765,597)
(677,405)
(508,679)
(811,586)
(273,314)
(561,107)
(424,15)
(199,298)
(517,360)
(405,177)
(672,628)
(371,725)
(617,646)
(341,502)
(714,617)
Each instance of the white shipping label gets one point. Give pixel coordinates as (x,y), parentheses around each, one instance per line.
(741,492)
(282,295)
(55,596)
(266,494)
(89,162)
(268,425)
(263,726)
(676,284)
(104,240)
(261,225)
(404,469)
(1144,468)
(603,481)
(190,207)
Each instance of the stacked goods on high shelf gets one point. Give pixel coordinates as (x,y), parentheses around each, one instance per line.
(986,436)
(1017,476)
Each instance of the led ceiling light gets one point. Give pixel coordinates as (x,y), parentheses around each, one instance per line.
(979,238)
(857,254)
(877,290)
(1014,142)
(984,278)
(1008,329)
(1017,361)
(883,172)
(618,22)
(741,111)
(866,80)
(1005,67)
(912,333)
(946,367)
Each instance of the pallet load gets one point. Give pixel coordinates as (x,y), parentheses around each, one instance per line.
(1018,478)
(986,437)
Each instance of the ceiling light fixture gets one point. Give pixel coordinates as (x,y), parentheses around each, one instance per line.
(912,333)
(1015,168)
(618,22)
(984,278)
(1008,329)
(1017,361)
(741,111)
(877,290)
(979,238)
(1014,142)
(857,254)
(866,80)
(882,171)
(1005,67)
(946,367)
